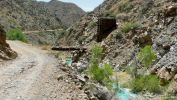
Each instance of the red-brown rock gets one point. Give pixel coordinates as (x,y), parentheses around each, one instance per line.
(164,75)
(175,78)
(5,51)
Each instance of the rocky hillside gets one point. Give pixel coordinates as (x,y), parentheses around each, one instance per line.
(6,52)
(139,23)
(69,13)
(43,38)
(27,15)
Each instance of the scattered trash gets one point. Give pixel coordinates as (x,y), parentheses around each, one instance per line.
(124,94)
(68,62)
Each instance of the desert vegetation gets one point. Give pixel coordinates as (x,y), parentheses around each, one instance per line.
(16,34)
(119,35)
(109,14)
(61,34)
(127,27)
(140,82)
(146,56)
(125,7)
(92,24)
(81,39)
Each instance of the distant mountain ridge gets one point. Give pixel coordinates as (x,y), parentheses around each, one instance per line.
(33,15)
(69,13)
(27,15)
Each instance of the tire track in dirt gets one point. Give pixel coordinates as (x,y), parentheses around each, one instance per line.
(33,76)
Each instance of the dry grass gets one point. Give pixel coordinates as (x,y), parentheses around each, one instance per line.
(45,47)
(122,77)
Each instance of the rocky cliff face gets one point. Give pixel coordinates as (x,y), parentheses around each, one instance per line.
(156,27)
(27,15)
(6,52)
(69,13)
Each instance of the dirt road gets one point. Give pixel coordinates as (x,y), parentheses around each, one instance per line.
(32,76)
(26,32)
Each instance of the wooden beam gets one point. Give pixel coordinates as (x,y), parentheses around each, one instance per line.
(68,48)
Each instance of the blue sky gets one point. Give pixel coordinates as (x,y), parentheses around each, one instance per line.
(86,5)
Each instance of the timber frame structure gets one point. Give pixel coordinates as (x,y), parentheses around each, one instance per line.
(105,26)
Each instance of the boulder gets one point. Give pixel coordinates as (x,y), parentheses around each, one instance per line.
(60,77)
(166,47)
(3,38)
(82,79)
(10,53)
(174,90)
(175,78)
(143,38)
(65,69)
(170,11)
(6,52)
(81,68)
(103,94)
(164,75)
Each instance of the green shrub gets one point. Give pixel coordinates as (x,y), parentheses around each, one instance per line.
(124,18)
(96,52)
(138,84)
(57,53)
(145,7)
(169,96)
(127,69)
(81,38)
(146,56)
(149,83)
(61,34)
(16,34)
(153,84)
(100,74)
(92,24)
(132,70)
(127,27)
(107,72)
(107,82)
(95,72)
(108,14)
(119,35)
(125,7)
(107,69)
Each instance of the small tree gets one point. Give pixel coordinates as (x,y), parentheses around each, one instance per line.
(146,56)
(95,72)
(96,52)
(100,74)
(107,72)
